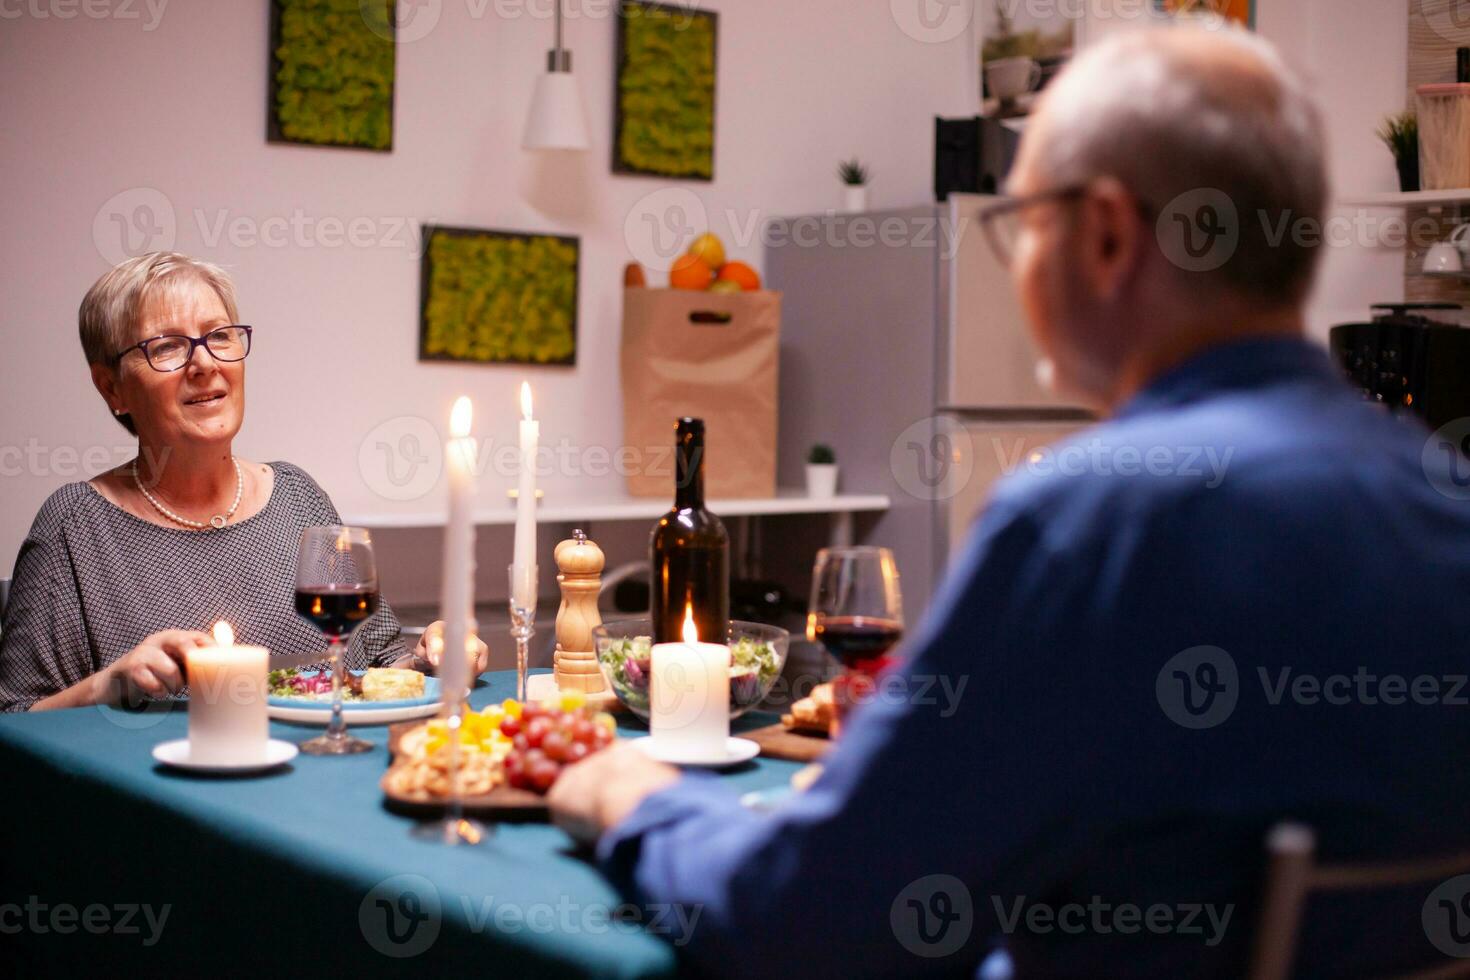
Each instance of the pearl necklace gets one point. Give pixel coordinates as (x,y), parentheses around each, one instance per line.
(216,522)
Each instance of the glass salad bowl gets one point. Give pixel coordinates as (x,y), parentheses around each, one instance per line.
(757,655)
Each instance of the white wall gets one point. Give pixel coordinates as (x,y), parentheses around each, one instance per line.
(92,108)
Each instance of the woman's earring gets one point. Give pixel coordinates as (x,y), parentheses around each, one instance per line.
(118,411)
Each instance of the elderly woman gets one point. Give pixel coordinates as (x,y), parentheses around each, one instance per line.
(119,575)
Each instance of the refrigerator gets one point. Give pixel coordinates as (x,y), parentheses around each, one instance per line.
(904,348)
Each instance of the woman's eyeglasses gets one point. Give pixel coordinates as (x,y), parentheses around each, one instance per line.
(171,351)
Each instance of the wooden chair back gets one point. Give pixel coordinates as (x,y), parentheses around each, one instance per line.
(1294,875)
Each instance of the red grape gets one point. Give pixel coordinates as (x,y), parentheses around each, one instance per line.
(576,752)
(555,746)
(543,774)
(536,731)
(584,731)
(510,725)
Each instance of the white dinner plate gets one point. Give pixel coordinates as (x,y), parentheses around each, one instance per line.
(176,754)
(357,716)
(737,750)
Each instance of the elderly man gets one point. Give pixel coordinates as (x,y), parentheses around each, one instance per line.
(1161,662)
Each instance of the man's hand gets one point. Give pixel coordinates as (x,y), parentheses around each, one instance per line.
(154,668)
(431,648)
(598,792)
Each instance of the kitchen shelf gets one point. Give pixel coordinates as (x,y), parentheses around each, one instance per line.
(1408,199)
(624,508)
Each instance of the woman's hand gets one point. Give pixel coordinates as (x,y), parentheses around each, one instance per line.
(154,668)
(431,648)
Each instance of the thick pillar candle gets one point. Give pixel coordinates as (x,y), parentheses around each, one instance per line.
(689,697)
(227,716)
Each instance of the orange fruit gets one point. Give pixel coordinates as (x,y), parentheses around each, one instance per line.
(741,273)
(690,272)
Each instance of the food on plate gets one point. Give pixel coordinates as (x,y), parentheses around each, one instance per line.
(815,714)
(428,776)
(377,684)
(522,745)
(392,684)
(753,668)
(548,737)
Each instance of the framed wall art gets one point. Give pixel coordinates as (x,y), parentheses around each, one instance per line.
(332,67)
(498,297)
(664,91)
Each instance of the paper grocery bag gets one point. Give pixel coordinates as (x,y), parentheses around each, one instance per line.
(710,355)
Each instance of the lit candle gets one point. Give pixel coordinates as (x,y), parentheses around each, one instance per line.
(457,605)
(227,718)
(689,696)
(523,561)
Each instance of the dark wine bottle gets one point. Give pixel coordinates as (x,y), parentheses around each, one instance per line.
(689,551)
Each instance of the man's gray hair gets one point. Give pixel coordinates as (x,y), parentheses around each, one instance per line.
(110,310)
(1182,115)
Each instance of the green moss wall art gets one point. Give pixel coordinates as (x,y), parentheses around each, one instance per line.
(664,114)
(493,297)
(331,73)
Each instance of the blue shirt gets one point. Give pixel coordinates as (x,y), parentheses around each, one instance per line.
(1241,599)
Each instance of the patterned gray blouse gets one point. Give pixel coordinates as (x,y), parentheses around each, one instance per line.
(93,581)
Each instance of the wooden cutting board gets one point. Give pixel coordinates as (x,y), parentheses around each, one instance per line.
(777,742)
(503,803)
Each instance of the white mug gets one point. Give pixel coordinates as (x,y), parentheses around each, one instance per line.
(1010,77)
(1445,257)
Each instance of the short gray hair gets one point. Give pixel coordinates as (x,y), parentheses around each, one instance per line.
(1178,111)
(110,310)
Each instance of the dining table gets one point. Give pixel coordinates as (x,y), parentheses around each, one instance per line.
(107,856)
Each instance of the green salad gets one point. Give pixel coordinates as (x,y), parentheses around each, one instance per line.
(753,668)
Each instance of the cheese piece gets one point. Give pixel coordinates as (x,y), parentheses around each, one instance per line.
(391,684)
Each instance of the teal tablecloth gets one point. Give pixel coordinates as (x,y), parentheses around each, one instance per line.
(298,871)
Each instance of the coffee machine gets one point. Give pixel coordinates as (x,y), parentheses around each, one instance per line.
(1407,362)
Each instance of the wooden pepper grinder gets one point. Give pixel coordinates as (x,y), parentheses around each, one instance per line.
(579,562)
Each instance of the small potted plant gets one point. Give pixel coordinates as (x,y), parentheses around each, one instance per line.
(1400,133)
(855,180)
(821,471)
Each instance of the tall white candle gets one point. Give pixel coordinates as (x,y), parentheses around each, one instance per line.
(689,696)
(523,561)
(227,717)
(457,607)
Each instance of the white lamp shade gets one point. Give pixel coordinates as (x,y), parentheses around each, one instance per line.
(556,121)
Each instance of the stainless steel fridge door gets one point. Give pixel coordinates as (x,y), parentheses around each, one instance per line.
(984,453)
(986,357)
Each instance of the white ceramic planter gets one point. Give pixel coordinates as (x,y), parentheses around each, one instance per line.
(821,480)
(855,197)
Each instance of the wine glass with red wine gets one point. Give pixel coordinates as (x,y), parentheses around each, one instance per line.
(336,591)
(856,613)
